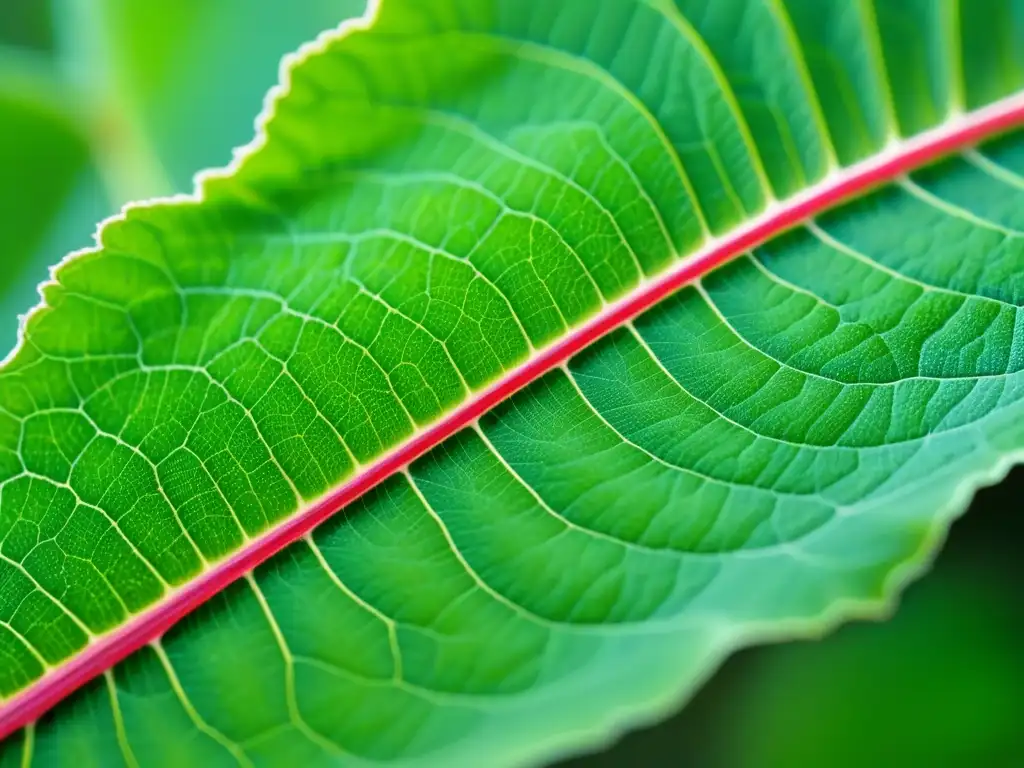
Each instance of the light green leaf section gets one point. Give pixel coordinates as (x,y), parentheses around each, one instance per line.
(767,451)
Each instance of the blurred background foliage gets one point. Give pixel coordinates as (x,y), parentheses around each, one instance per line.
(107,101)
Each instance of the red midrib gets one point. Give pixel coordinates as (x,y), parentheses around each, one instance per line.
(108,650)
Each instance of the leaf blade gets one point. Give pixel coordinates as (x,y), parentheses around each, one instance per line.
(398,412)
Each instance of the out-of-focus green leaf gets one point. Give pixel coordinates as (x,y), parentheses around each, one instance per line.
(175,65)
(41,153)
(42,156)
(45,158)
(26,24)
(939,685)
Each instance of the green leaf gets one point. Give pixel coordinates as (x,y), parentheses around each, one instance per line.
(947,664)
(438,203)
(162,65)
(169,65)
(26,23)
(44,192)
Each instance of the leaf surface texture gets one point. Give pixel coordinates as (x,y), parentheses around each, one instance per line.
(439,198)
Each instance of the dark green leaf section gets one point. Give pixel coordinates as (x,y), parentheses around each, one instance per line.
(438,197)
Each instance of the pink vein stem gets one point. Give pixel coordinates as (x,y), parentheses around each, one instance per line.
(899,158)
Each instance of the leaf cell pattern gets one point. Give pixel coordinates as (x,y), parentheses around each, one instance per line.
(438,198)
